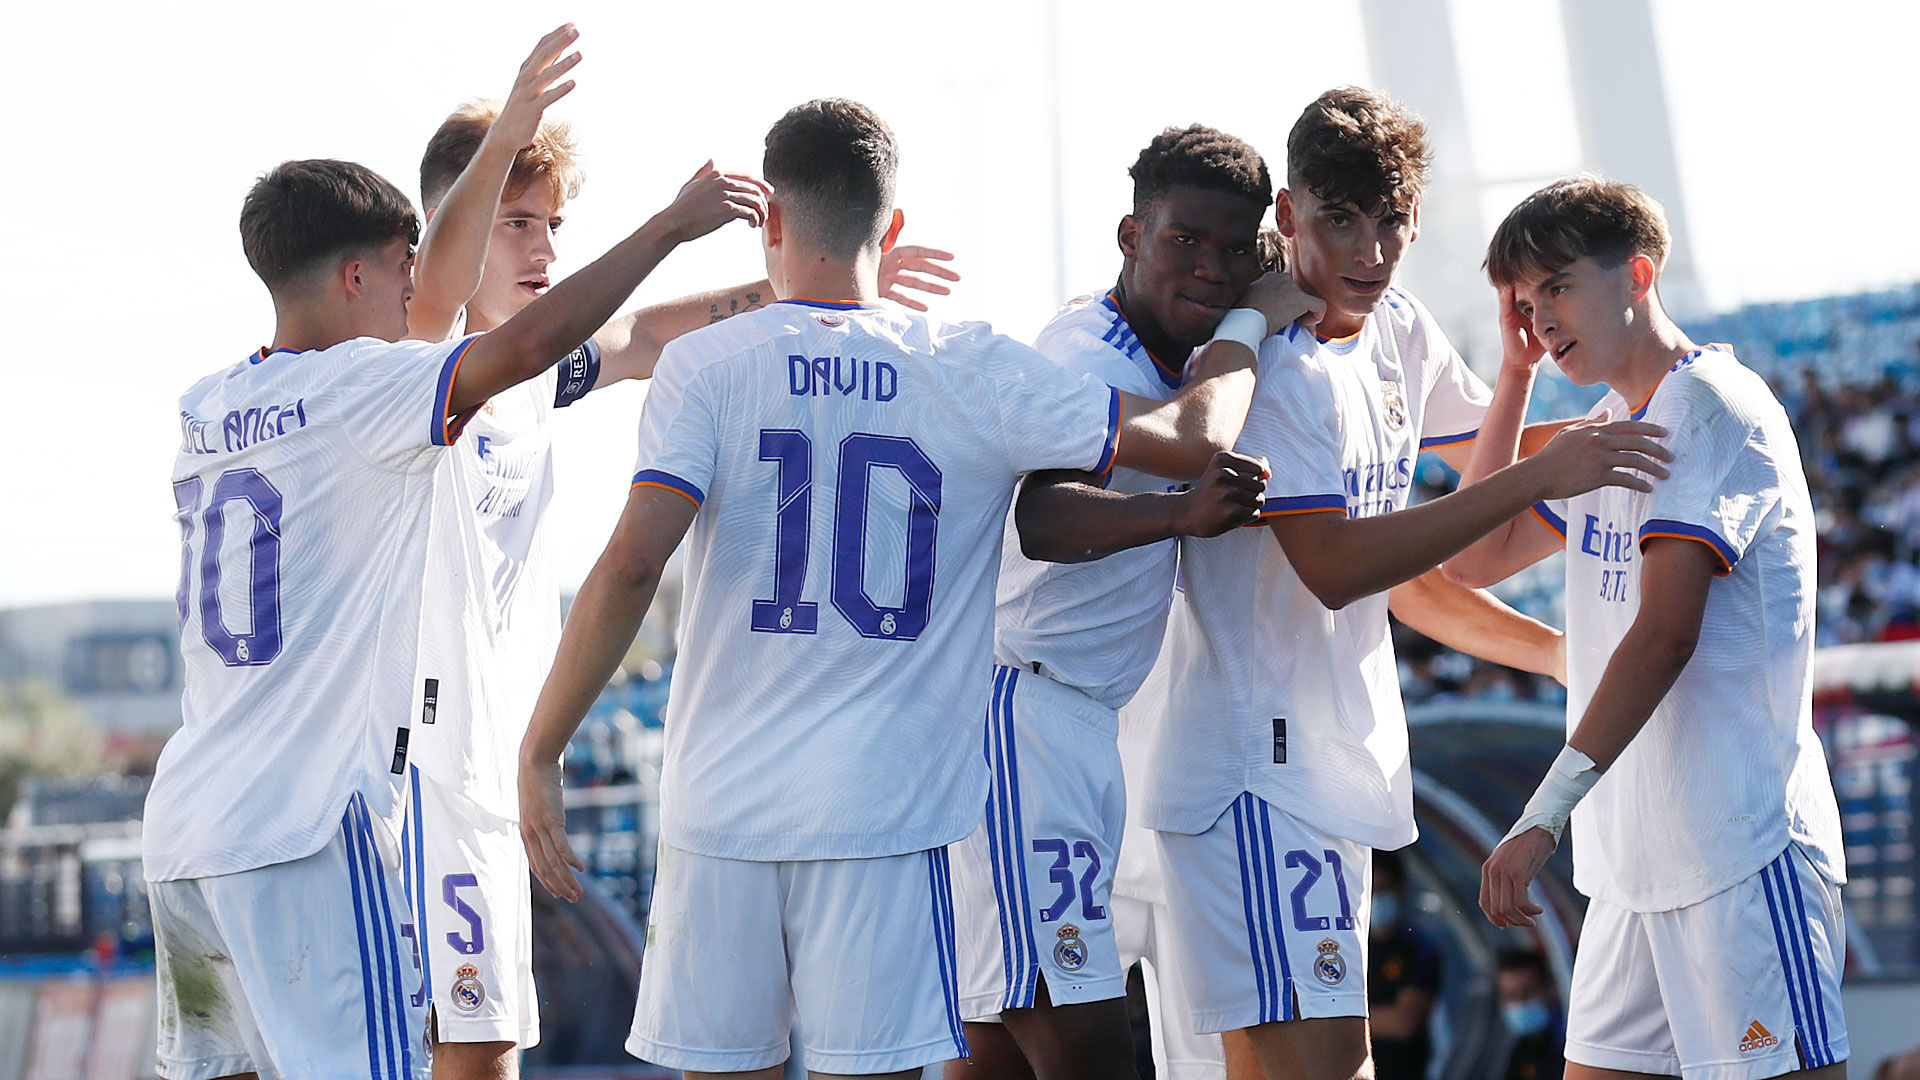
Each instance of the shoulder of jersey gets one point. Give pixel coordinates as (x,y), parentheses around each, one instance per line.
(1713,372)
(1402,309)
(1293,347)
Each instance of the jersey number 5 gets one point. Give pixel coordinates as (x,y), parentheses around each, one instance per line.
(860,455)
(259,643)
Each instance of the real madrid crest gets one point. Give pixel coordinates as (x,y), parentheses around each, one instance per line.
(468,992)
(1393,404)
(1070,953)
(1330,967)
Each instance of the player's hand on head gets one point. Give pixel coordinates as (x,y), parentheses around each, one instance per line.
(713,198)
(910,266)
(534,89)
(543,829)
(1277,296)
(1508,872)
(1227,496)
(1602,452)
(1519,349)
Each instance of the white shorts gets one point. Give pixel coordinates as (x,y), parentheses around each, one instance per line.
(291,970)
(855,955)
(1032,885)
(1742,985)
(466,875)
(1140,929)
(1269,918)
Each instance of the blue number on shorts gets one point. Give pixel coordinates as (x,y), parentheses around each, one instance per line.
(448,887)
(1083,849)
(261,642)
(1301,920)
(1345,919)
(786,613)
(860,454)
(1060,873)
(418,997)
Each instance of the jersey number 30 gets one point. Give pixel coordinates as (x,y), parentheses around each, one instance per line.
(259,643)
(860,455)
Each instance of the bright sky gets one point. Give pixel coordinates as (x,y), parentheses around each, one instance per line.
(138,129)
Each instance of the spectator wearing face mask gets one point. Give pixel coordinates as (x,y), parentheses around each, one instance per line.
(1403,976)
(1530,1011)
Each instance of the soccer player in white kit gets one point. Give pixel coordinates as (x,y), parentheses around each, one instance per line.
(1276,740)
(303,484)
(1079,619)
(1704,822)
(846,471)
(495,180)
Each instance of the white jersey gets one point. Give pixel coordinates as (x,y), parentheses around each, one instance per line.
(853,467)
(490,604)
(303,487)
(1728,769)
(1271,693)
(1095,626)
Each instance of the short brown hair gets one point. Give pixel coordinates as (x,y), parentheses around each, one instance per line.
(1362,148)
(831,163)
(304,213)
(551,157)
(1580,216)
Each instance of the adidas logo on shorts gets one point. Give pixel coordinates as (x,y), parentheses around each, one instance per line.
(1758,1038)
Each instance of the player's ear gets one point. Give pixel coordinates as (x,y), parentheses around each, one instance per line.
(774,226)
(893,230)
(351,277)
(1283,214)
(1413,219)
(1130,229)
(1642,275)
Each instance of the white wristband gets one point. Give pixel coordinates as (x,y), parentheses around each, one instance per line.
(1572,775)
(1244,325)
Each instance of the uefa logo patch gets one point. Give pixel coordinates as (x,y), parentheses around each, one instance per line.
(1330,967)
(468,992)
(1070,953)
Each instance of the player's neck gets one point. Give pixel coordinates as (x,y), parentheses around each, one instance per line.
(1152,337)
(1653,354)
(305,327)
(822,277)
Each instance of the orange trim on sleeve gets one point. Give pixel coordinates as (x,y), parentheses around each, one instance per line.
(667,487)
(1724,567)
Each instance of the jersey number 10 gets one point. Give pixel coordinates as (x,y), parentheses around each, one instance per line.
(860,454)
(261,641)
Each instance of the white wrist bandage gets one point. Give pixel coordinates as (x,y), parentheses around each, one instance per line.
(1573,774)
(1244,325)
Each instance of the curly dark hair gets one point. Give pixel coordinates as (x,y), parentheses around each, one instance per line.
(1362,148)
(831,163)
(1201,157)
(1578,216)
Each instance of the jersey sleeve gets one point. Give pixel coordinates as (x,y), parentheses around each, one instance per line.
(1724,487)
(1457,399)
(679,428)
(393,397)
(1051,418)
(1295,425)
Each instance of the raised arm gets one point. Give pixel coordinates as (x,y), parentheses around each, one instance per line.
(606,614)
(630,345)
(1342,559)
(1066,517)
(1524,539)
(1177,438)
(453,251)
(1675,575)
(555,324)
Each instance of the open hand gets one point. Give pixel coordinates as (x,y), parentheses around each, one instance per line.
(1519,349)
(1276,296)
(1227,496)
(713,198)
(899,267)
(1596,453)
(534,89)
(543,828)
(1506,875)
